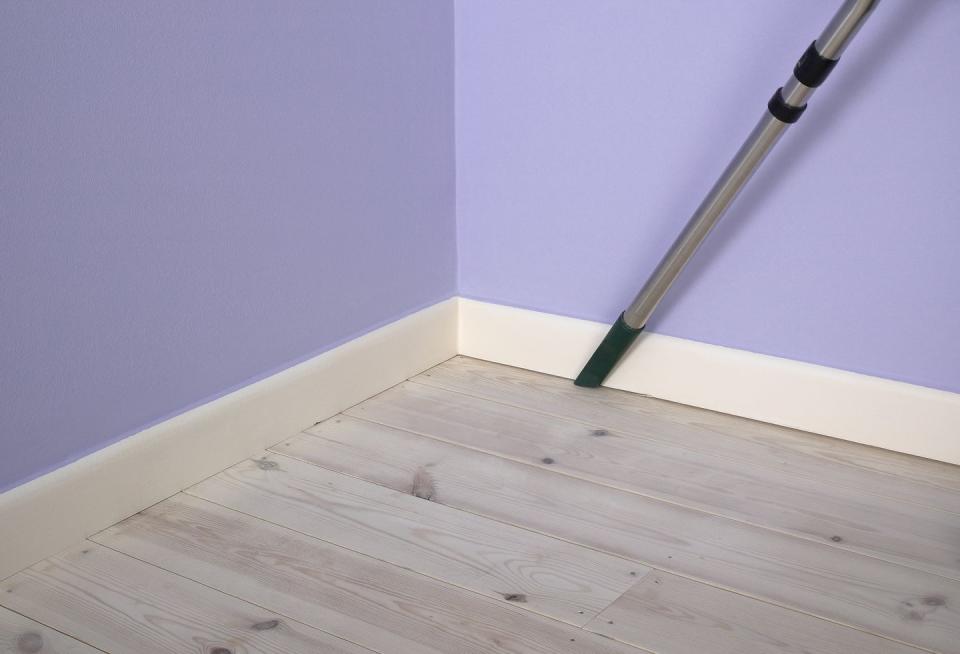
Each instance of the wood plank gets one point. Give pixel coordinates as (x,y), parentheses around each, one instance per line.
(509,564)
(122,605)
(673,615)
(855,407)
(21,635)
(375,604)
(840,514)
(819,457)
(887,599)
(57,509)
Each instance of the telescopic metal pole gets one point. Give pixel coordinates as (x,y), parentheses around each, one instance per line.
(784,109)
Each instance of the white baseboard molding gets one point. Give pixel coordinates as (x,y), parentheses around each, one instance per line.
(52,512)
(56,510)
(871,410)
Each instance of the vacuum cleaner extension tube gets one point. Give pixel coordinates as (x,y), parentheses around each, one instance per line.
(784,108)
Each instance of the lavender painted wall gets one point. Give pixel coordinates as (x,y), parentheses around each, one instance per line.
(196,194)
(587,132)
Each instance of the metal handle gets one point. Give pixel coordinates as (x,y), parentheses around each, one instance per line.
(764,136)
(785,108)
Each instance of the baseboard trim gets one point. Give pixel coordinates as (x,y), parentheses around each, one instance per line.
(870,410)
(56,510)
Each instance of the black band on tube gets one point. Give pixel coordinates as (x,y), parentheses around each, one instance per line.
(813,68)
(785,113)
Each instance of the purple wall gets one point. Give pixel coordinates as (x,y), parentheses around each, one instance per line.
(196,194)
(587,132)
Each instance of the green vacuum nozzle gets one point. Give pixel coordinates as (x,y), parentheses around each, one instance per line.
(610,350)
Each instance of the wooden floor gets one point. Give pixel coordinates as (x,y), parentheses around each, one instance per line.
(481,508)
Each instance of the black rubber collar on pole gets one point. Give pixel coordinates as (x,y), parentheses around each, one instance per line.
(785,113)
(610,350)
(813,68)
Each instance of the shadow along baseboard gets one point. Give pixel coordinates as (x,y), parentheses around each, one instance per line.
(51,512)
(870,410)
(48,514)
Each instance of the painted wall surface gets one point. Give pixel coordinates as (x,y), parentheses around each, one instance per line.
(196,194)
(587,132)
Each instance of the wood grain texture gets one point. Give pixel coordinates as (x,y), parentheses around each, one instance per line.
(52,512)
(887,599)
(846,405)
(673,615)
(902,477)
(378,605)
(124,606)
(842,513)
(509,564)
(20,635)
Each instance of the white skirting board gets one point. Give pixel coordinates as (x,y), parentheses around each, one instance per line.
(54,511)
(871,410)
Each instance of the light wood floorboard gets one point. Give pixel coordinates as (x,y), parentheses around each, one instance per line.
(124,606)
(20,635)
(844,514)
(380,606)
(884,598)
(483,509)
(674,615)
(546,575)
(906,477)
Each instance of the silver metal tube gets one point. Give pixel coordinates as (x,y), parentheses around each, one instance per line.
(843,27)
(831,43)
(751,154)
(795,93)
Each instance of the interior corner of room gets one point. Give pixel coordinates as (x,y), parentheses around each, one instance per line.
(226,229)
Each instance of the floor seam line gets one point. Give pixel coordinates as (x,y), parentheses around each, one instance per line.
(650,497)
(640,562)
